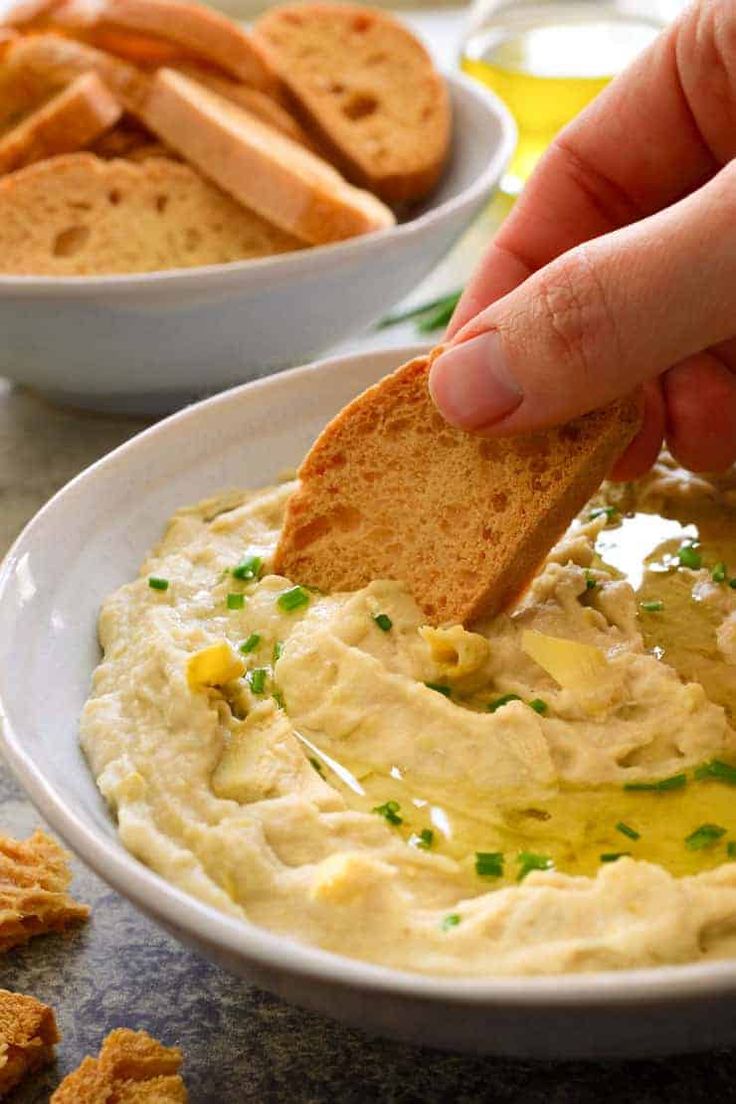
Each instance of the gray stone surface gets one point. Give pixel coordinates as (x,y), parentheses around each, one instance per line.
(242,1045)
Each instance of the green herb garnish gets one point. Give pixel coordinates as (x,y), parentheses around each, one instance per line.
(431,308)
(249,568)
(499,702)
(704,836)
(609,512)
(689,556)
(317,765)
(611,856)
(539,706)
(383,621)
(439,687)
(450,921)
(293,599)
(489,864)
(719,574)
(438,319)
(278,650)
(235,601)
(731,849)
(390,812)
(423,839)
(529,861)
(278,697)
(250,644)
(655,606)
(732,583)
(155,582)
(590,582)
(718,770)
(256,679)
(627,830)
(674,782)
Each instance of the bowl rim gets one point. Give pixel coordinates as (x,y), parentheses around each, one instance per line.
(204,925)
(217,275)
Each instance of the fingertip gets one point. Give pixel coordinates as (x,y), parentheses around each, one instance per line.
(700,397)
(643,451)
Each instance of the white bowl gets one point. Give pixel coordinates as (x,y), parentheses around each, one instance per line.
(91,538)
(149,342)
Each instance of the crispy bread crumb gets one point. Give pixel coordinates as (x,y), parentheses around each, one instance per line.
(390,490)
(34,879)
(27,1035)
(132,1068)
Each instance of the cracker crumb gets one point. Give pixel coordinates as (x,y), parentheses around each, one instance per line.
(34,879)
(132,1068)
(27,1035)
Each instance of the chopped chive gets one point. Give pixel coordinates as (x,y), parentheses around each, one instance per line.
(256,679)
(689,556)
(499,702)
(278,649)
(732,583)
(250,644)
(235,601)
(675,782)
(293,599)
(612,856)
(383,621)
(317,765)
(717,769)
(278,697)
(489,864)
(155,582)
(719,574)
(450,921)
(655,606)
(438,318)
(704,836)
(609,512)
(390,812)
(590,582)
(626,830)
(731,849)
(416,312)
(249,568)
(539,705)
(529,861)
(423,839)
(439,687)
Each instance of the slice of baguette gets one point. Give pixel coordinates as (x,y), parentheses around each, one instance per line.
(370,90)
(80,216)
(390,490)
(263,169)
(68,122)
(196,29)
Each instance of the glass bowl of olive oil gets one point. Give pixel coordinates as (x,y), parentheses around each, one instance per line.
(547,59)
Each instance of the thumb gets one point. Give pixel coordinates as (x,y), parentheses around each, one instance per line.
(598,321)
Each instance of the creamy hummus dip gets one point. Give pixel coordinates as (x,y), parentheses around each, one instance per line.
(551,791)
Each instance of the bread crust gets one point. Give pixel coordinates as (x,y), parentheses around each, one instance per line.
(69,121)
(132,1068)
(34,879)
(367,88)
(28,1033)
(390,490)
(262,168)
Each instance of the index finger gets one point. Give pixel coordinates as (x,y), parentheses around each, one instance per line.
(659,131)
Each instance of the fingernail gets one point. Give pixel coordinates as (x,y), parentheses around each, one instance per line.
(471,383)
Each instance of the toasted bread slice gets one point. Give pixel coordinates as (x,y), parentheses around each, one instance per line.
(197,30)
(263,169)
(132,1068)
(370,90)
(68,122)
(130,141)
(34,879)
(390,490)
(104,217)
(27,1035)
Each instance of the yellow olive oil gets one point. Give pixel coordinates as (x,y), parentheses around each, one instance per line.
(547,62)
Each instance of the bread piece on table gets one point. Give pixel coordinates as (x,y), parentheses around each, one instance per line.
(69,121)
(369,89)
(263,169)
(390,490)
(35,66)
(27,1035)
(79,216)
(131,141)
(34,879)
(132,1068)
(197,30)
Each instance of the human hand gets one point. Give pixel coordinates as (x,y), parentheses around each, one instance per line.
(617,267)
